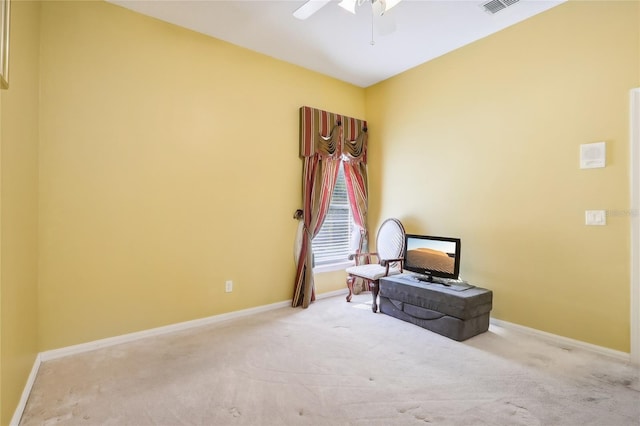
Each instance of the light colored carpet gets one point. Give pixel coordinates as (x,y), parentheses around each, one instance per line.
(335,363)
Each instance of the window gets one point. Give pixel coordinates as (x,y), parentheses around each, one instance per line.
(333,242)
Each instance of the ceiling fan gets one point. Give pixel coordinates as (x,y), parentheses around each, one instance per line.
(312,6)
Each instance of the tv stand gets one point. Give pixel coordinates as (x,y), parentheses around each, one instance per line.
(447,310)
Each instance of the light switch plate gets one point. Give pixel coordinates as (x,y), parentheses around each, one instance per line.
(593,155)
(595,217)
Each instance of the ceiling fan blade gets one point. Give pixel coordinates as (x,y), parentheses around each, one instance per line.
(348,5)
(309,8)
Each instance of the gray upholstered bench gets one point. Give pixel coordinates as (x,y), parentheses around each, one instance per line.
(458,312)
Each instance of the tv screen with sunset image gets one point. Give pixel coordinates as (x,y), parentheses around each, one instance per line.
(437,256)
(433,260)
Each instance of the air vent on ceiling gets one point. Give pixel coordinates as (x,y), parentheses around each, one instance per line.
(495,6)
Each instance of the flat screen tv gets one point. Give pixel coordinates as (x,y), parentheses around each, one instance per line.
(432,256)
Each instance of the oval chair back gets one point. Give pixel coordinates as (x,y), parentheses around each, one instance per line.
(390,240)
(389,251)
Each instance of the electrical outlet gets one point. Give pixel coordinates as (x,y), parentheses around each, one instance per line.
(228,286)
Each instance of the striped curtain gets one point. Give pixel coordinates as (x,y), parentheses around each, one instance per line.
(322,148)
(355,173)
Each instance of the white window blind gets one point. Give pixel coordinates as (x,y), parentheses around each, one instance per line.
(333,242)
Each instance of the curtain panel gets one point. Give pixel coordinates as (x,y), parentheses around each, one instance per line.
(326,140)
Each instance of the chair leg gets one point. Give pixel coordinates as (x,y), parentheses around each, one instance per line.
(374,292)
(350,281)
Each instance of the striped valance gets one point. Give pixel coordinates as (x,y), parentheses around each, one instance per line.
(332,135)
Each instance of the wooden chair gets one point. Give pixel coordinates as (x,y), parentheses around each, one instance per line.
(389,254)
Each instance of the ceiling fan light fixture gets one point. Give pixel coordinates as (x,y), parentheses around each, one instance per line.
(379,6)
(382,6)
(309,8)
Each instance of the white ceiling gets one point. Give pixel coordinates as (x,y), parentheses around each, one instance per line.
(337,43)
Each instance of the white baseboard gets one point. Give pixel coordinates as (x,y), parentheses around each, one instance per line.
(130,337)
(563,341)
(17,414)
(332,294)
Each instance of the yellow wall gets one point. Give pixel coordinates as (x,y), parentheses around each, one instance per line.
(331,281)
(483,143)
(124,206)
(3,410)
(19,208)
(168,164)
